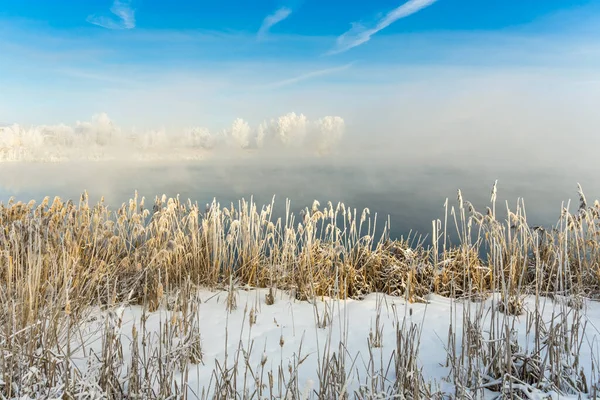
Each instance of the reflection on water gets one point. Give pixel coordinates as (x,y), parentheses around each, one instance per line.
(411,195)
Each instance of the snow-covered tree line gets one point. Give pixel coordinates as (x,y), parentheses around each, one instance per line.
(101,138)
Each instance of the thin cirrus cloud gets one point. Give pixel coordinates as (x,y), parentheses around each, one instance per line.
(273,19)
(360,34)
(124,16)
(309,75)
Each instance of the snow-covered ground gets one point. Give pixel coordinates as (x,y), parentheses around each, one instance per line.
(274,338)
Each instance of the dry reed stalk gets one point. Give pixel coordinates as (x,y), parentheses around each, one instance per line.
(59,259)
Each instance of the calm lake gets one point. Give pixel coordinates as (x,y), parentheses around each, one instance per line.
(412,195)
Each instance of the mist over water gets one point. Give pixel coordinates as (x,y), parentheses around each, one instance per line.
(399,157)
(412,195)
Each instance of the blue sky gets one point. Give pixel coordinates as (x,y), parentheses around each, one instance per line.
(306,17)
(149,62)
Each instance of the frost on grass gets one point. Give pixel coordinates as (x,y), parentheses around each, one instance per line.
(176,300)
(439,349)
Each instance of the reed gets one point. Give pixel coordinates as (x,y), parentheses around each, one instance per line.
(64,264)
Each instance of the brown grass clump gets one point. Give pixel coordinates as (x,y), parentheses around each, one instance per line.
(130,252)
(461,272)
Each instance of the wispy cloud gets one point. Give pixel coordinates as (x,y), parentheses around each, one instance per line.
(273,19)
(94,76)
(125,16)
(360,34)
(309,75)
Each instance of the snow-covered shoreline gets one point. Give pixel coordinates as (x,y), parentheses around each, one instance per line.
(283,333)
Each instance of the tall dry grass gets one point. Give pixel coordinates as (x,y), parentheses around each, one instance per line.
(60,261)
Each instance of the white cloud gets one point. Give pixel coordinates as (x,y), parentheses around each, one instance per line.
(360,34)
(273,19)
(122,10)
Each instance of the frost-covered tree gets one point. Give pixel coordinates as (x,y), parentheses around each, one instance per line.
(199,138)
(101,138)
(240,133)
(262,133)
(290,129)
(329,132)
(101,129)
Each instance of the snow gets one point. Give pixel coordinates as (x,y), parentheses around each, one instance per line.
(288,326)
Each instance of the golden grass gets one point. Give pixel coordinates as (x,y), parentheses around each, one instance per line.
(57,259)
(129,252)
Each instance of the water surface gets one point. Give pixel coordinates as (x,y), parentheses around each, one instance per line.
(411,195)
